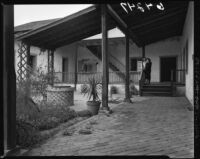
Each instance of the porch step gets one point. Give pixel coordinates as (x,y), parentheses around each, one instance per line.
(164,94)
(156,89)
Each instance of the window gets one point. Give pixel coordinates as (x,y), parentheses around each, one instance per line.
(136,64)
(87,65)
(33,62)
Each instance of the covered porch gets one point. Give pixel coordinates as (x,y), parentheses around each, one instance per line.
(100,18)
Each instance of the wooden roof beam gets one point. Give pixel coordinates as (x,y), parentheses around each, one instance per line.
(53,24)
(160,27)
(122,25)
(159,18)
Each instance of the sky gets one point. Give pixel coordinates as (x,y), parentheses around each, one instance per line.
(28,13)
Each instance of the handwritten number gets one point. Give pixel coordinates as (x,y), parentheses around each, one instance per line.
(160,6)
(122,4)
(139,7)
(131,6)
(149,5)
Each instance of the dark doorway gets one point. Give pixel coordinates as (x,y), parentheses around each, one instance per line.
(65,69)
(166,65)
(33,62)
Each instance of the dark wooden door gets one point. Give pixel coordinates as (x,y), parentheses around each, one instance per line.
(65,69)
(166,65)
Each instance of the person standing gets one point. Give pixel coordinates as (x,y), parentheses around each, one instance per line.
(148,70)
(144,62)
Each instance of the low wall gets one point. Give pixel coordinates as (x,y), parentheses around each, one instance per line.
(60,95)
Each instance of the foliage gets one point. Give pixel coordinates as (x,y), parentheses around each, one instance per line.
(133,90)
(40,80)
(50,116)
(26,134)
(25,106)
(92,89)
(84,113)
(31,119)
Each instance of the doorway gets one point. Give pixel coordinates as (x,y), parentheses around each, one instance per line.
(166,65)
(65,69)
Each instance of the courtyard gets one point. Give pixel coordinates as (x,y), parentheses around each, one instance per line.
(148,126)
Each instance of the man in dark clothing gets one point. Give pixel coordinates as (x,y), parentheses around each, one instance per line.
(148,70)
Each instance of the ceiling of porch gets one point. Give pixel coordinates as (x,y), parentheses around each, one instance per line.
(148,27)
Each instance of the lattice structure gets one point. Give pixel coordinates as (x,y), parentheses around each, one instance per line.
(23,55)
(61,96)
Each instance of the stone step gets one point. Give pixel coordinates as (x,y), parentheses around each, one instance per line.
(149,89)
(156,94)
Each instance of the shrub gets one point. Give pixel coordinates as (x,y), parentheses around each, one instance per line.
(133,90)
(45,122)
(51,117)
(84,113)
(26,134)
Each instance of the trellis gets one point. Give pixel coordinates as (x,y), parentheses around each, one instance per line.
(24,61)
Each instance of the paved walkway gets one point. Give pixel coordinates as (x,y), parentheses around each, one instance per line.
(80,101)
(149,126)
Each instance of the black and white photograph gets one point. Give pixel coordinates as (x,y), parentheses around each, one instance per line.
(115,79)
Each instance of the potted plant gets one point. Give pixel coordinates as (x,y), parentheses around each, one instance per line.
(92,89)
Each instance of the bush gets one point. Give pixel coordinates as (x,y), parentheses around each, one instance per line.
(133,90)
(45,122)
(84,113)
(52,116)
(27,135)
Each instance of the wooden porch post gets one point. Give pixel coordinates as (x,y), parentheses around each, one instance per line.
(27,73)
(127,93)
(9,79)
(104,57)
(143,54)
(75,67)
(51,65)
(143,51)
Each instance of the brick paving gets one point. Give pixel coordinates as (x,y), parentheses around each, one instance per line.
(148,126)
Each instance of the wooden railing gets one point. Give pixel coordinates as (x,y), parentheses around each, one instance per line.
(82,77)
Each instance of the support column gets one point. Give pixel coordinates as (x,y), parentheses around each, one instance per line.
(51,66)
(143,54)
(75,66)
(9,79)
(127,92)
(143,51)
(104,49)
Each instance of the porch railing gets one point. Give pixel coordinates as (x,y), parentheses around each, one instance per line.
(82,77)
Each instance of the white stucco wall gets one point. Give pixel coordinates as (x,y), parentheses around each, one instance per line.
(168,47)
(67,51)
(41,58)
(188,34)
